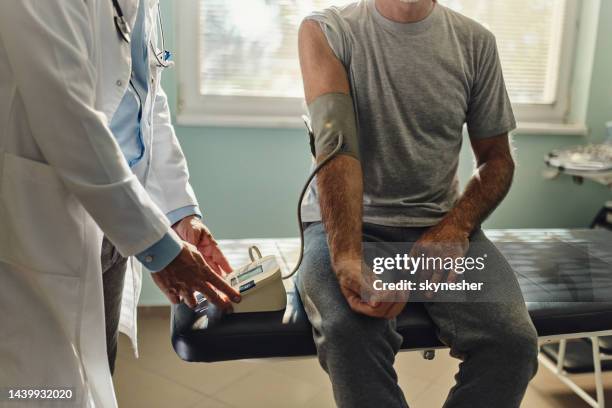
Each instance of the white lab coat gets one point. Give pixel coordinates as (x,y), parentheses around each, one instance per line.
(64,183)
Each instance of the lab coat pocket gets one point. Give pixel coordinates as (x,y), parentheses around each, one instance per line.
(64,300)
(43,220)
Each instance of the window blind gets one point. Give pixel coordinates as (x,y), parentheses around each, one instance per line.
(249,47)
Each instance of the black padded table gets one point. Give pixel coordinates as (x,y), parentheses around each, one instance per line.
(565,275)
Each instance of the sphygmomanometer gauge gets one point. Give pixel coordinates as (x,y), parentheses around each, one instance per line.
(261,285)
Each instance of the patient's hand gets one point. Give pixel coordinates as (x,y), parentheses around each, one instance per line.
(359,293)
(442,240)
(192,230)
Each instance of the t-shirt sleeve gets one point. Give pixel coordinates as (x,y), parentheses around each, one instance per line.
(489,109)
(335,31)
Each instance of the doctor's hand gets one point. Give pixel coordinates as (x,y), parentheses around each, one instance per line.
(192,230)
(357,288)
(188,273)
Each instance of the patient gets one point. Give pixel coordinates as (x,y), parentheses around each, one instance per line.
(416,72)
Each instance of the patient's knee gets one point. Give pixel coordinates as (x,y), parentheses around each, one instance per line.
(353,332)
(518,346)
(340,329)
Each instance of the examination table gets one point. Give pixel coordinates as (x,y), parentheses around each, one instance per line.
(565,276)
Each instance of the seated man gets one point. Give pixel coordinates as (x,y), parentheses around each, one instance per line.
(416,72)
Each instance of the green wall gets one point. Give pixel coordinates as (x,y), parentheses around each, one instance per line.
(248,180)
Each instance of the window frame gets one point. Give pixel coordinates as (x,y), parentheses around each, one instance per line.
(195,109)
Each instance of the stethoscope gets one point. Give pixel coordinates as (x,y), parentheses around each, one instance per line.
(123,29)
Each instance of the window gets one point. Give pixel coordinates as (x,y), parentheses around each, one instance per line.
(238,62)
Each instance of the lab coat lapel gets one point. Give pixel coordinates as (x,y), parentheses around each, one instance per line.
(130,11)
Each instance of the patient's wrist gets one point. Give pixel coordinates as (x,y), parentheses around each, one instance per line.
(457,223)
(342,259)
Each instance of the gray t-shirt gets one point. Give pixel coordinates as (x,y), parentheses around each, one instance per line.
(414,86)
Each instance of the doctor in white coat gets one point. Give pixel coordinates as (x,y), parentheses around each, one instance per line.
(90,169)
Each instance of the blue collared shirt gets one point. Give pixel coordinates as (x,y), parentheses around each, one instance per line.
(125,124)
(126,127)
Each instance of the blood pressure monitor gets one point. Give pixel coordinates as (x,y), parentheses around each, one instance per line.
(260,283)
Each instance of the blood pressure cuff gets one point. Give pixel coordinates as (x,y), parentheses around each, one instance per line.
(332,115)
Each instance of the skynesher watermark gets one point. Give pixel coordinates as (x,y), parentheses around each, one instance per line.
(427,286)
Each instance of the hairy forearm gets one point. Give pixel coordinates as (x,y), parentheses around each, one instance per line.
(483,193)
(340,186)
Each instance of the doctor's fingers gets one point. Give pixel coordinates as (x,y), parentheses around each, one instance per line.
(214,256)
(218,268)
(163,285)
(215,297)
(189,298)
(220,259)
(218,282)
(214,266)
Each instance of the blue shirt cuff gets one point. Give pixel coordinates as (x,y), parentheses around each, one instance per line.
(159,255)
(180,213)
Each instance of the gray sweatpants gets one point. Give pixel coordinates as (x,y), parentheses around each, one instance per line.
(496,342)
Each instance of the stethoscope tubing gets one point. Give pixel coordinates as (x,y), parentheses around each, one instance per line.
(124,32)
